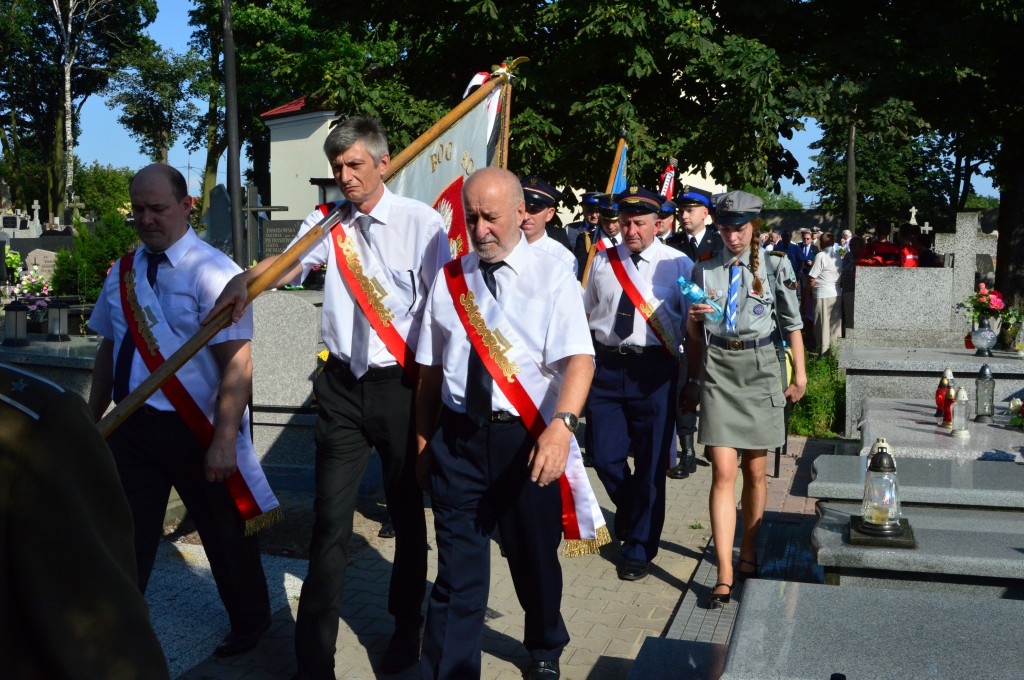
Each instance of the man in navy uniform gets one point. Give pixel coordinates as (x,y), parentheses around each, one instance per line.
(633,396)
(608,227)
(541,199)
(591,211)
(696,240)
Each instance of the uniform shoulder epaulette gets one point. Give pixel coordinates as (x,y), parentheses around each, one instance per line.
(706,256)
(776,253)
(25,392)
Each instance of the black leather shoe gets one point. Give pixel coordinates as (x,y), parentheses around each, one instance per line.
(239,642)
(689,454)
(403,650)
(543,670)
(678,472)
(632,570)
(387,530)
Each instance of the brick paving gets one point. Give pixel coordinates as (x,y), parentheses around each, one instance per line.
(608,619)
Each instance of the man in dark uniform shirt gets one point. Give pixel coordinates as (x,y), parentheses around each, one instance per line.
(70,606)
(591,212)
(695,239)
(608,225)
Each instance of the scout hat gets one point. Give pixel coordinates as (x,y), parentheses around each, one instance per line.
(539,193)
(638,200)
(736,207)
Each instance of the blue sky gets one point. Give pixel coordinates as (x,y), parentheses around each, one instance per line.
(103,139)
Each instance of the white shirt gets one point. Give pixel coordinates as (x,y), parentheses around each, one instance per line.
(187,285)
(411,243)
(659,265)
(697,237)
(553,247)
(826,271)
(543,300)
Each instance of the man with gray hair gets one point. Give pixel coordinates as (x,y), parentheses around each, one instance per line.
(381,260)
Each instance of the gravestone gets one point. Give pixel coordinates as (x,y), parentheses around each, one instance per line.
(918,307)
(275,235)
(44,259)
(285,344)
(34,224)
(218,221)
(11,221)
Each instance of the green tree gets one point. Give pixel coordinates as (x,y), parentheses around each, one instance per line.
(774,201)
(57,53)
(148,87)
(103,188)
(82,271)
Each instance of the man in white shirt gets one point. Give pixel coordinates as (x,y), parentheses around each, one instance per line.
(633,398)
(364,394)
(157,446)
(483,469)
(541,199)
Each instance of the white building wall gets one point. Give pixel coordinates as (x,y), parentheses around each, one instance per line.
(296,156)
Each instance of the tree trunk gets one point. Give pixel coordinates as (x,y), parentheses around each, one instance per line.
(851,180)
(69,142)
(1010,249)
(259,154)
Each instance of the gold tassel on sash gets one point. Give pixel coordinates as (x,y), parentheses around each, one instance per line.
(260,522)
(587,546)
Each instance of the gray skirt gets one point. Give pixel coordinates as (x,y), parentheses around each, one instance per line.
(741,401)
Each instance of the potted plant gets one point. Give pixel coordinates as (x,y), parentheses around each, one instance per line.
(34,291)
(1010,325)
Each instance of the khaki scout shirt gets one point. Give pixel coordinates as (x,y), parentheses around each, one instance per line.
(754,312)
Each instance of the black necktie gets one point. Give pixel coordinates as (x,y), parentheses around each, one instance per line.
(624,314)
(478,380)
(693,244)
(123,366)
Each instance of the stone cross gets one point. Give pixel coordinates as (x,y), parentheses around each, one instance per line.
(913,216)
(925,228)
(34,224)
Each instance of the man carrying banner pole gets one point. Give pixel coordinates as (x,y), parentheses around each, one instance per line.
(194,434)
(381,261)
(504,347)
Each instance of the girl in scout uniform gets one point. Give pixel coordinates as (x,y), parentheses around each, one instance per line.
(736,376)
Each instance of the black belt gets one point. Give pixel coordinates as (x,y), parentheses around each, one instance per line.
(629,349)
(335,364)
(735,344)
(504,417)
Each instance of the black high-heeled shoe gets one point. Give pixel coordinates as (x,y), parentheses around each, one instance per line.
(744,575)
(720,599)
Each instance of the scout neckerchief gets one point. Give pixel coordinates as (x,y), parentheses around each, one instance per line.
(641,295)
(526,385)
(371,286)
(194,396)
(602,244)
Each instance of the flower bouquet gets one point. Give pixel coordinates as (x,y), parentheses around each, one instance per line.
(33,290)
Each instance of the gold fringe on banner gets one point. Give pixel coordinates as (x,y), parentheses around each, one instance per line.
(260,522)
(587,546)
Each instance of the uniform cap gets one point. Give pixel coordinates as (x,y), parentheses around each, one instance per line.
(736,207)
(668,208)
(693,196)
(537,192)
(590,199)
(638,200)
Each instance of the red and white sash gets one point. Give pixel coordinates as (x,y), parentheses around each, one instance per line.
(194,396)
(529,388)
(641,295)
(373,289)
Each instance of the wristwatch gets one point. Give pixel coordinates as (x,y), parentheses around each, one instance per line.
(570,420)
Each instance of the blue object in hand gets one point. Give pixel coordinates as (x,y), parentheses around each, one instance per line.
(696,295)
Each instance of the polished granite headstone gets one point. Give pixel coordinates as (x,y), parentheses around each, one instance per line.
(911,375)
(981,483)
(977,549)
(803,630)
(921,437)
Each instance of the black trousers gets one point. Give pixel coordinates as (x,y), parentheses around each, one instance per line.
(480,483)
(375,411)
(155,450)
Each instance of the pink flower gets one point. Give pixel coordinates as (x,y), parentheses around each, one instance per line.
(996,303)
(981,288)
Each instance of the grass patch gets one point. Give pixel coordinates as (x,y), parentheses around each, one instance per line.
(822,411)
(696,525)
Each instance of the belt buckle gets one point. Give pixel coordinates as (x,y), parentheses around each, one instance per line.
(735,345)
(621,349)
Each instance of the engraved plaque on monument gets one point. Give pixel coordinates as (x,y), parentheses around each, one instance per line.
(275,235)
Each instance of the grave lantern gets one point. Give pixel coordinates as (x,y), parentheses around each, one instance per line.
(16,324)
(880,512)
(57,318)
(940,392)
(961,417)
(947,408)
(985,394)
(984,338)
